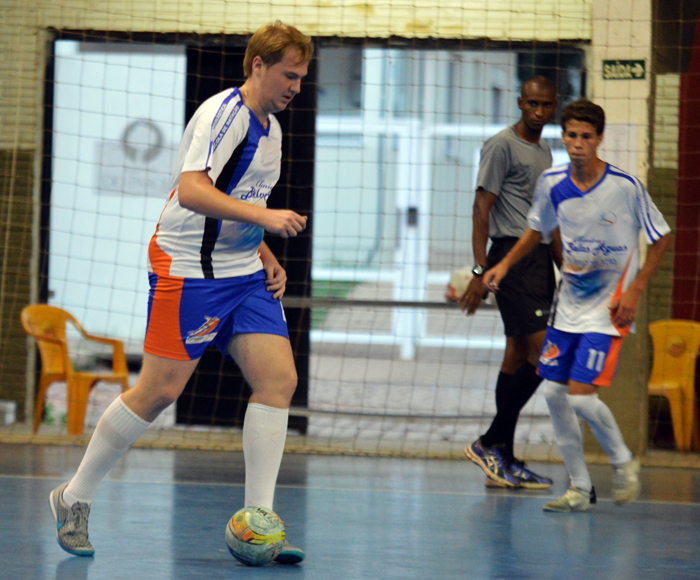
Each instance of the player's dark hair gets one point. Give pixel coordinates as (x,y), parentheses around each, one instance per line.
(272,41)
(585,111)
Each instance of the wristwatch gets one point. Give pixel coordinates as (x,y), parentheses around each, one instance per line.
(478,270)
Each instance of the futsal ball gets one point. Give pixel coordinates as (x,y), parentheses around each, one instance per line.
(255,535)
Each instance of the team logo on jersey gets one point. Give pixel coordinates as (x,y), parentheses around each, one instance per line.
(550,352)
(261,189)
(204,333)
(607,219)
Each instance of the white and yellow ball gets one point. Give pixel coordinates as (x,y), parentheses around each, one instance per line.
(255,535)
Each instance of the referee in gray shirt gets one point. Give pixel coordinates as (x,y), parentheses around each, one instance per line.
(511,162)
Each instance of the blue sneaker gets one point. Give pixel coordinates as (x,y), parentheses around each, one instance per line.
(529,479)
(490,459)
(71,524)
(290,554)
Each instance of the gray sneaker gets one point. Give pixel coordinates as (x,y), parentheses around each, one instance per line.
(71,524)
(574,500)
(290,554)
(626,486)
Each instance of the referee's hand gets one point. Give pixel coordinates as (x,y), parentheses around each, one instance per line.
(474,295)
(492,278)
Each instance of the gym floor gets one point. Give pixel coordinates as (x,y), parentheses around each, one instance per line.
(160,514)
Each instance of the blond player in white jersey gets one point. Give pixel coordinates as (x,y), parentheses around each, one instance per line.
(214,281)
(600,211)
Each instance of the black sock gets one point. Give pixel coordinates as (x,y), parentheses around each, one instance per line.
(522,387)
(512,394)
(495,434)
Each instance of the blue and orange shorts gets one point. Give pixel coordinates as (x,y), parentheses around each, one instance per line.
(185,315)
(589,358)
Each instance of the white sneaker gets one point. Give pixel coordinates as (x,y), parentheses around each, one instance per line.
(574,500)
(626,486)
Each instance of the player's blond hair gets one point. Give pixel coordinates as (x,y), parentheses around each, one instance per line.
(272,41)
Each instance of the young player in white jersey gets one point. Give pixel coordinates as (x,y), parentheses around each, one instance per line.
(600,211)
(213,280)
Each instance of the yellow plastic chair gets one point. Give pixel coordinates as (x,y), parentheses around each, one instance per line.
(47,325)
(676,345)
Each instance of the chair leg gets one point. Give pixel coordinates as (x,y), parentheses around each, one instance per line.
(688,420)
(40,400)
(78,391)
(695,431)
(675,401)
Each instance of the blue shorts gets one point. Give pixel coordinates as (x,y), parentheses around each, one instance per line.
(589,358)
(185,315)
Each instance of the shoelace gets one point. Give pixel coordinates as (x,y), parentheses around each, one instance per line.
(80,513)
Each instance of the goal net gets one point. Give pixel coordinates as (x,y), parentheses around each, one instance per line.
(381,150)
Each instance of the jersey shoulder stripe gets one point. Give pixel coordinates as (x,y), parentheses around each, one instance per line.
(643,201)
(554,171)
(229,103)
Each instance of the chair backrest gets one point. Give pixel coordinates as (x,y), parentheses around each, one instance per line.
(44,321)
(676,345)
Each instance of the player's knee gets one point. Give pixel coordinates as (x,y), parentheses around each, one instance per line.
(288,382)
(158,401)
(275,391)
(158,395)
(165,399)
(554,393)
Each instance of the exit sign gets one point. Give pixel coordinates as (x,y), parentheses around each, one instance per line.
(624,70)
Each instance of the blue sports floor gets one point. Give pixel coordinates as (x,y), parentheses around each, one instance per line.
(160,515)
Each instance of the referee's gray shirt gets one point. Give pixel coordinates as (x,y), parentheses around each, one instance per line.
(509,168)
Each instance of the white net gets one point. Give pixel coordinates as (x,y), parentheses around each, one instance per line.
(403,98)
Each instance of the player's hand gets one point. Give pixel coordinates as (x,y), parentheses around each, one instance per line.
(623,310)
(276,281)
(473,295)
(492,278)
(284,222)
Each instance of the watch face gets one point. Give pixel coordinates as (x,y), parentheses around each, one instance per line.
(478,270)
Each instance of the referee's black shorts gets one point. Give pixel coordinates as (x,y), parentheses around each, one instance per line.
(525,295)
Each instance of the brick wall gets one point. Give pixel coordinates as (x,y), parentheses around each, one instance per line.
(16,213)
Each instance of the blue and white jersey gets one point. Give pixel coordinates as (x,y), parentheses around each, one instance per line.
(243,160)
(600,242)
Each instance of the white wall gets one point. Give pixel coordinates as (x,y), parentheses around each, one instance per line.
(105,202)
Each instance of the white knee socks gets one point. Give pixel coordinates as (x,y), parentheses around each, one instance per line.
(568,433)
(116,431)
(264,435)
(600,418)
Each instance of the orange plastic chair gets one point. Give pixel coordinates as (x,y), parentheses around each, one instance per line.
(47,325)
(676,346)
